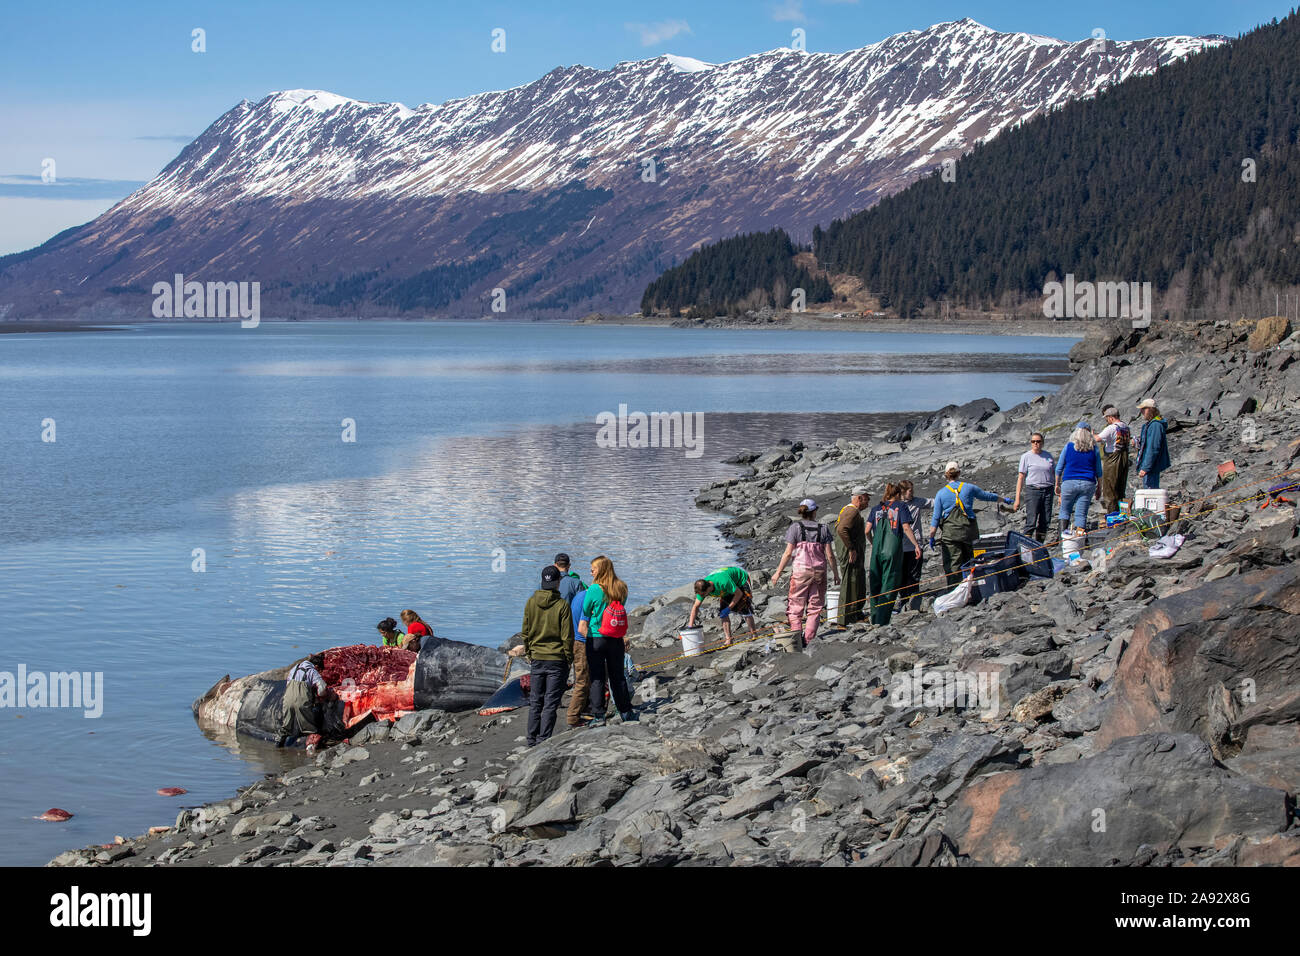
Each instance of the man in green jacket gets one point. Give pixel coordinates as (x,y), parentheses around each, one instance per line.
(548,643)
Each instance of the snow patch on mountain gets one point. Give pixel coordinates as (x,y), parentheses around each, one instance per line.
(686,64)
(318,101)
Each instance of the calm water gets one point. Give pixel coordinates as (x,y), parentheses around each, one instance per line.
(474,443)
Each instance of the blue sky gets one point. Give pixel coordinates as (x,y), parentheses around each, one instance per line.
(112,91)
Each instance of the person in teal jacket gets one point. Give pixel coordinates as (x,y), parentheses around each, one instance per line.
(605,652)
(1153,449)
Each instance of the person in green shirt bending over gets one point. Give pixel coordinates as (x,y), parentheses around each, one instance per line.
(731,585)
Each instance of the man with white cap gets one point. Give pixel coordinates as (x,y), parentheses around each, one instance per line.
(1153,449)
(1114,439)
(851,551)
(953,519)
(809,542)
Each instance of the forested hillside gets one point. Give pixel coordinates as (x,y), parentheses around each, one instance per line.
(1187,178)
(752,271)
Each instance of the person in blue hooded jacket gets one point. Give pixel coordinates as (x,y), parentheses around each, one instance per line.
(1153,449)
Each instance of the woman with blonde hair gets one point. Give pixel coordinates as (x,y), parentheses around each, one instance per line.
(604,628)
(1078,478)
(415,626)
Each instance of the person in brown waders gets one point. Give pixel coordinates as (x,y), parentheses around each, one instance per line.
(851,555)
(1115,439)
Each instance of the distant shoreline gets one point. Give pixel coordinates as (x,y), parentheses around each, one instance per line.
(821,322)
(787,322)
(55,327)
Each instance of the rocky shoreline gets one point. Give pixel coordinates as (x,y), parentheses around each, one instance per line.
(1145,709)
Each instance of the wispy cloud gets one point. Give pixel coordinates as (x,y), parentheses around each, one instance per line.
(652,33)
(167,139)
(789,10)
(20,186)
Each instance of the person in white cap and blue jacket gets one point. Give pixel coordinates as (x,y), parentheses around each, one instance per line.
(808,541)
(1153,448)
(953,520)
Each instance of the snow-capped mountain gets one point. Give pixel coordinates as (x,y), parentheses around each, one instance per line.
(569,193)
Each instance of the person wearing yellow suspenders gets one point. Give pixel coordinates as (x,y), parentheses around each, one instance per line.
(954,519)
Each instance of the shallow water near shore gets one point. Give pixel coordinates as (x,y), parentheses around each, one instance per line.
(475,459)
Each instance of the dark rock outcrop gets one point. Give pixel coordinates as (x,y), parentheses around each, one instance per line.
(1214,661)
(1156,790)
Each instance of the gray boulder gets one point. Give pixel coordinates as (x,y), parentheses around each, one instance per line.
(1158,790)
(1215,661)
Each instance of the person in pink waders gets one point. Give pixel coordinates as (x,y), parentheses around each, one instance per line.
(808,541)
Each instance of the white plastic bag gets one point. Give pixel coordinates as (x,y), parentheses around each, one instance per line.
(958,597)
(1167,546)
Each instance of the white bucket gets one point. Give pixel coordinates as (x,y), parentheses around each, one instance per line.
(692,641)
(832,604)
(1150,499)
(1072,546)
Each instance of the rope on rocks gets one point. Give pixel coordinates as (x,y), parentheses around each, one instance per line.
(779,628)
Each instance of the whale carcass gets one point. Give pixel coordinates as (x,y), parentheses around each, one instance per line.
(369,683)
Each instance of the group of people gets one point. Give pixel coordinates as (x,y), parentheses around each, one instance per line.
(568,623)
(1092,466)
(415,630)
(891,579)
(305,707)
